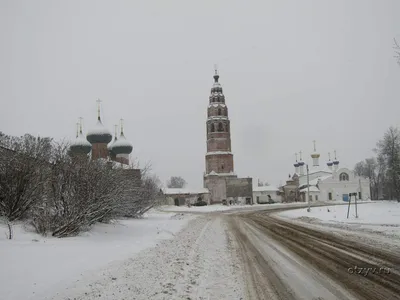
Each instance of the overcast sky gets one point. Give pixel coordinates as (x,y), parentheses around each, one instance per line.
(292,72)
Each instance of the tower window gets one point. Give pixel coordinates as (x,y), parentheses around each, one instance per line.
(222,167)
(344,177)
(220,127)
(219,112)
(212,127)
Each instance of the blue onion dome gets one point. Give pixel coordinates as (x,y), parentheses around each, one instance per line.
(301,163)
(335,161)
(99,134)
(121,146)
(329,163)
(296,164)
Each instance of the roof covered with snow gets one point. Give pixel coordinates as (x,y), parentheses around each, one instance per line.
(99,134)
(216,105)
(312,189)
(183,191)
(80,145)
(121,146)
(213,173)
(218,118)
(218,153)
(265,188)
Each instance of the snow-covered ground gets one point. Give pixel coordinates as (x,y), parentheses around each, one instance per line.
(200,262)
(381,217)
(220,207)
(34,267)
(207,208)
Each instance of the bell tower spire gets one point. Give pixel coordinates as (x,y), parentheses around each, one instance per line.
(219,156)
(315,155)
(98,109)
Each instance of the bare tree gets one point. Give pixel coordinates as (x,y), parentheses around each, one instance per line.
(389,152)
(261,183)
(141,199)
(176,182)
(23,175)
(396,47)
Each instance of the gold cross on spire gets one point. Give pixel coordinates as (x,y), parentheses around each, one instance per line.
(98,108)
(80,124)
(122,126)
(216,69)
(296,156)
(329,155)
(300,153)
(116,130)
(315,147)
(77,129)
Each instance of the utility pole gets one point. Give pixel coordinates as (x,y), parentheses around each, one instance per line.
(308,189)
(348,208)
(355,197)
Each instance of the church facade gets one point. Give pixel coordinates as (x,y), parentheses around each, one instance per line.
(328,182)
(219,177)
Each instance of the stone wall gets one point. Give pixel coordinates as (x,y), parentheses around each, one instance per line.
(99,150)
(219,163)
(239,187)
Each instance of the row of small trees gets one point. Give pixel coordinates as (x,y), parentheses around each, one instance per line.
(383,170)
(41,183)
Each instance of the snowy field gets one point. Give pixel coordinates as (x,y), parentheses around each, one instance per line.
(34,267)
(381,217)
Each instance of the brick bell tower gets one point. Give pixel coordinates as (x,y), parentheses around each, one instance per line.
(219,158)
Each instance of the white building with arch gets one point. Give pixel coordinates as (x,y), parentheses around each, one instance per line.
(329,181)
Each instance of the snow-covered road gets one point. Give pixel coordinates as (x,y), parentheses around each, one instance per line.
(290,261)
(199,263)
(238,254)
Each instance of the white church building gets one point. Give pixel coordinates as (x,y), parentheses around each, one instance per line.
(328,181)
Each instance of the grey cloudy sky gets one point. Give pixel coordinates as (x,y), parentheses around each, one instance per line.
(292,72)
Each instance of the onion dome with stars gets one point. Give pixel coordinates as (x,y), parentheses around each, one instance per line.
(329,163)
(301,162)
(335,161)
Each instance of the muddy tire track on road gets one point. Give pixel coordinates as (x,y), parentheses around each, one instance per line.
(269,244)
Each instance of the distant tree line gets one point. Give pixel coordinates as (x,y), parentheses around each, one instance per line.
(176,182)
(41,184)
(383,170)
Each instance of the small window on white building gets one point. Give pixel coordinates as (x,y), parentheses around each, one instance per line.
(330,196)
(316,197)
(310,197)
(344,177)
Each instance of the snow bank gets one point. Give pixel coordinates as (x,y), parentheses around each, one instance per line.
(33,267)
(207,208)
(220,207)
(378,217)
